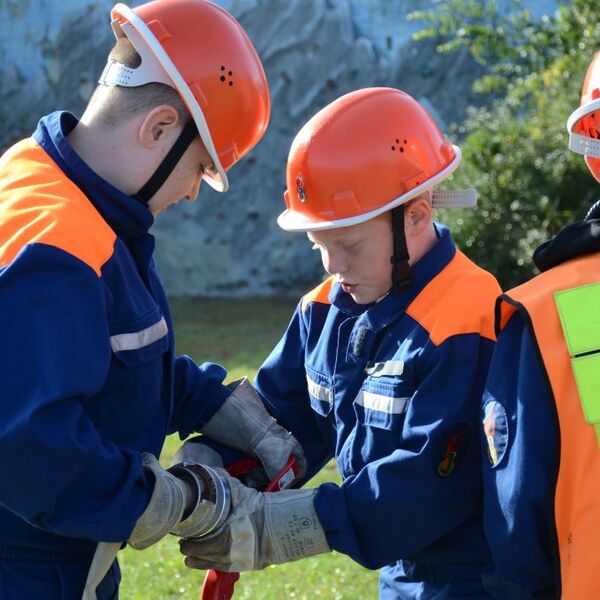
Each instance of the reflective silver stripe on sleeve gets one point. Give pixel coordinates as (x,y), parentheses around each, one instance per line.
(139,339)
(385,404)
(391,368)
(319,391)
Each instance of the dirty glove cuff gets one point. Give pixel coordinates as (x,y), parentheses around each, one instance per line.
(188,500)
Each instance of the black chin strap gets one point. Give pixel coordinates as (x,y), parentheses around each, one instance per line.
(186,137)
(401,277)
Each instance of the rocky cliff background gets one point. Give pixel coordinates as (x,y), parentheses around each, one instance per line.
(52,51)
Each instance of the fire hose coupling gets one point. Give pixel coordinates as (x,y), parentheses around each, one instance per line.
(210,503)
(189,500)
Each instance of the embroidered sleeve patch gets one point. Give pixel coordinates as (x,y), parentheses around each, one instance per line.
(456,445)
(495,427)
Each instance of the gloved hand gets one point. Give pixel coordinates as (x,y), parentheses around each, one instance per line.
(262,529)
(194,451)
(188,500)
(243,423)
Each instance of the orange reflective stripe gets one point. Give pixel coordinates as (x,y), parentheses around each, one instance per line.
(577,504)
(460,300)
(40,204)
(319,294)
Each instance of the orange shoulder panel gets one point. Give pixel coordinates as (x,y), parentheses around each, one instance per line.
(319,294)
(562,277)
(40,204)
(537,290)
(504,311)
(459,300)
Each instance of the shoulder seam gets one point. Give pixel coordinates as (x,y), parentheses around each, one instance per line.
(459,318)
(318,294)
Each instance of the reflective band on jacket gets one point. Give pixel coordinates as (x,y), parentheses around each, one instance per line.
(391,368)
(570,288)
(579,313)
(319,392)
(380,403)
(139,339)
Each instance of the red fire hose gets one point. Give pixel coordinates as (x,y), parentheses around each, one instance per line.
(217,584)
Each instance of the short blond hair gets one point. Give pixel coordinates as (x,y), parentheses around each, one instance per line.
(113,105)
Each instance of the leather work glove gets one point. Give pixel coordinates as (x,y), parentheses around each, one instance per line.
(243,423)
(262,529)
(195,451)
(188,500)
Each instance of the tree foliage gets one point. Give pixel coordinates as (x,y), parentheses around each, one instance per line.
(515,149)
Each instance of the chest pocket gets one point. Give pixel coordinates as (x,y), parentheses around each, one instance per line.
(320,391)
(382,401)
(140,341)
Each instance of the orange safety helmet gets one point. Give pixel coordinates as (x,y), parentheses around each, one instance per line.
(362,155)
(200,50)
(583,124)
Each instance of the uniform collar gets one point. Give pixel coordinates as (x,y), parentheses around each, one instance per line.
(388,309)
(127,217)
(570,242)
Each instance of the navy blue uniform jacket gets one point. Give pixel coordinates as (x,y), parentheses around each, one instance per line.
(89,377)
(393,390)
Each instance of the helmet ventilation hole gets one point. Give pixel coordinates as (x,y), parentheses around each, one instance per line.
(223,77)
(398,145)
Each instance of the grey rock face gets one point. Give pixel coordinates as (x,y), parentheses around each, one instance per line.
(52,52)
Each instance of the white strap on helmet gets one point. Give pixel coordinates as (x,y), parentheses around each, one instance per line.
(454,198)
(584,145)
(149,71)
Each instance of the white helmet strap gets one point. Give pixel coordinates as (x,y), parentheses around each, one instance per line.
(584,145)
(454,198)
(149,70)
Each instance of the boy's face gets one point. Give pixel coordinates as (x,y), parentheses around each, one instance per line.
(184,182)
(359,257)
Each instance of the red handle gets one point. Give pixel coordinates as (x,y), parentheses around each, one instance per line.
(217,584)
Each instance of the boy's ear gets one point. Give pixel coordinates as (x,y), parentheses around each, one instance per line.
(418,215)
(160,125)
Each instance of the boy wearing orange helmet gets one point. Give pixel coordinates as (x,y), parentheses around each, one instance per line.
(382,365)
(541,416)
(91,386)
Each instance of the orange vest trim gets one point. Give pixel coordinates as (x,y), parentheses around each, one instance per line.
(39,204)
(577,499)
(460,300)
(319,294)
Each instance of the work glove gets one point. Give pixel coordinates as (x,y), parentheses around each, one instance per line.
(243,423)
(188,500)
(194,451)
(262,529)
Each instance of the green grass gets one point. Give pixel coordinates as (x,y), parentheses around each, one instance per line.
(238,334)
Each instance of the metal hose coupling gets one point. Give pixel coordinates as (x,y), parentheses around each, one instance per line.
(212,500)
